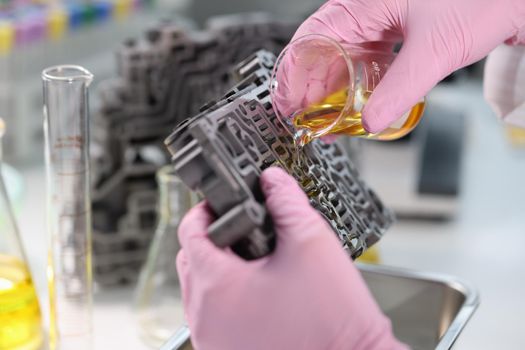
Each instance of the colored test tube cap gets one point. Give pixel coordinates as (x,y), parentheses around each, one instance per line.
(7,36)
(57,23)
(103,10)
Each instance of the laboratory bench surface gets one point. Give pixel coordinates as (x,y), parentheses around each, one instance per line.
(484,245)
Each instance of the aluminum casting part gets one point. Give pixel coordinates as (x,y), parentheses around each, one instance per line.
(222,151)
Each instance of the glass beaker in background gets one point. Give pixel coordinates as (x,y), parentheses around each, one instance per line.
(66,128)
(20,318)
(158,296)
(320,86)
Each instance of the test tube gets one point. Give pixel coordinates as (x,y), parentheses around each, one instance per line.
(66,128)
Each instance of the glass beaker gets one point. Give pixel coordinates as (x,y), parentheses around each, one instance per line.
(66,128)
(320,86)
(20,319)
(158,296)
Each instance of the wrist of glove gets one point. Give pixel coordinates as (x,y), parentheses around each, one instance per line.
(307,295)
(504,83)
(518,39)
(518,15)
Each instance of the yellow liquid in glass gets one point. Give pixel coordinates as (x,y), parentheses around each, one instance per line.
(370,256)
(20,320)
(53,332)
(319,116)
(516,135)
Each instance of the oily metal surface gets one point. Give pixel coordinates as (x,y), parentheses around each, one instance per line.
(221,152)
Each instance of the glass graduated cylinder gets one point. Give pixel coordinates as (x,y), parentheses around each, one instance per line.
(66,126)
(69,273)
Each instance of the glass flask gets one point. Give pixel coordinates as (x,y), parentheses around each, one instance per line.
(66,129)
(158,297)
(320,86)
(20,319)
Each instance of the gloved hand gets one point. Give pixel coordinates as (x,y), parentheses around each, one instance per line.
(439,37)
(504,83)
(307,295)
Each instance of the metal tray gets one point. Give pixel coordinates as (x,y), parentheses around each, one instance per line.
(427,310)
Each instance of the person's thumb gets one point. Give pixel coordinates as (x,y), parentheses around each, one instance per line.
(199,250)
(410,77)
(288,205)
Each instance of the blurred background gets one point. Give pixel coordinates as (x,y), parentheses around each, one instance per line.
(455,183)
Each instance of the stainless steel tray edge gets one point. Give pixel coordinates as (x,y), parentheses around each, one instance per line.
(470,304)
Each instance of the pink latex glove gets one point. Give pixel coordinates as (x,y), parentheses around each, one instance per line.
(504,83)
(307,295)
(439,37)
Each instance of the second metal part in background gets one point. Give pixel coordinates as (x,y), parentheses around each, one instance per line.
(66,126)
(163,78)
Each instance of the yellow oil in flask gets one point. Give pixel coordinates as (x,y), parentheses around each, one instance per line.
(20,320)
(320,116)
